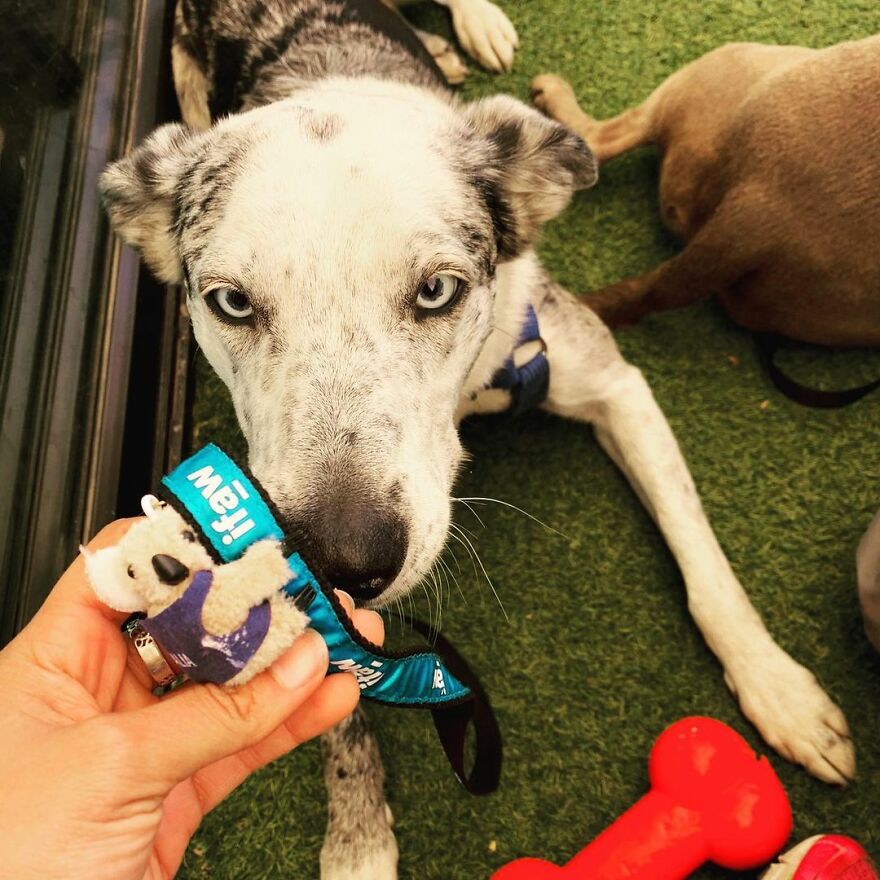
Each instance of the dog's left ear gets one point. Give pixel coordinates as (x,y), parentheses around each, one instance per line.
(532,167)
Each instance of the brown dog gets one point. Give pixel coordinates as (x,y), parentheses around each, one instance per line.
(770,174)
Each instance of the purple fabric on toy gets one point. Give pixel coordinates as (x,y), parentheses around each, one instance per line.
(180,633)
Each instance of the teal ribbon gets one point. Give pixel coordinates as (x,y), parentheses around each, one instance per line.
(231,511)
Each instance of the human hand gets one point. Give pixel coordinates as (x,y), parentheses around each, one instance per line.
(100,779)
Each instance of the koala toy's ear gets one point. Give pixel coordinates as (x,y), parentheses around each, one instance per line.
(139,191)
(106,572)
(530,166)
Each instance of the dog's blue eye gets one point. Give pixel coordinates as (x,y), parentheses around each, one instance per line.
(231,304)
(438,292)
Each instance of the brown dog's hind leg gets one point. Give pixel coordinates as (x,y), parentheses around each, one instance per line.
(607,138)
(719,256)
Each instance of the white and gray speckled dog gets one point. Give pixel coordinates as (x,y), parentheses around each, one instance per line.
(356,245)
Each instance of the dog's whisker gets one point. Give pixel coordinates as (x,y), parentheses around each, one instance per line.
(431,594)
(470,555)
(424,585)
(412,610)
(439,598)
(470,507)
(399,606)
(451,574)
(435,584)
(454,557)
(426,591)
(466,529)
(518,510)
(444,579)
(456,533)
(476,557)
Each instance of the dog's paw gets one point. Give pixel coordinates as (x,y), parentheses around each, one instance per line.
(485,33)
(445,57)
(553,95)
(377,864)
(796,717)
(357,856)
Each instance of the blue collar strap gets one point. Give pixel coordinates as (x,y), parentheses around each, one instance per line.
(229,508)
(528,384)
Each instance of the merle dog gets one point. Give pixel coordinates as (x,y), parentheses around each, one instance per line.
(357,250)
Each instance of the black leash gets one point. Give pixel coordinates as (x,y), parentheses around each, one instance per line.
(452,721)
(769,345)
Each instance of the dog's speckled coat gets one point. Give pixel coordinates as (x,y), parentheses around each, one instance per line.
(591,382)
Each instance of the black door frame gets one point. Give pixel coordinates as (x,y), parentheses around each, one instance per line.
(86,325)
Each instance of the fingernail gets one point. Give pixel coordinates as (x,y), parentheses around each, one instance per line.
(347,596)
(302,662)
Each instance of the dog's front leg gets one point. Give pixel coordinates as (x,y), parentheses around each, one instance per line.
(591,381)
(359,843)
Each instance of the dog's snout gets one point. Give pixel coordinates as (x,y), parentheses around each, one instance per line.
(169,570)
(358,545)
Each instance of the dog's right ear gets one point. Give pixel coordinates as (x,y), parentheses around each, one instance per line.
(138,193)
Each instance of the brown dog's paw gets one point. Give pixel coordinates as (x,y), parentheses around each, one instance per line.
(553,95)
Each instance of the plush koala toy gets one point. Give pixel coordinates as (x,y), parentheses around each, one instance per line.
(218,623)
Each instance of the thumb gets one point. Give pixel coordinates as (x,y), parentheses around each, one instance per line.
(203,723)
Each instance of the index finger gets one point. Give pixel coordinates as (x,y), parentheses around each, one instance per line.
(368,623)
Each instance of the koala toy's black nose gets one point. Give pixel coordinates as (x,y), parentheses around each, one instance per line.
(357,545)
(169,570)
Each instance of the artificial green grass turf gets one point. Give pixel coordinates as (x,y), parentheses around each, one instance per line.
(600,653)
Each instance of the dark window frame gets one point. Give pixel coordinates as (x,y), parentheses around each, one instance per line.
(82,322)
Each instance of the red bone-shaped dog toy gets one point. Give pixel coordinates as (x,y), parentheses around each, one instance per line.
(711,799)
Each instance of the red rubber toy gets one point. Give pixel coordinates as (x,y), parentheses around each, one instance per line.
(711,800)
(828,857)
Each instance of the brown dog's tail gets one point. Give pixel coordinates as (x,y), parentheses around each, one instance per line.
(608,138)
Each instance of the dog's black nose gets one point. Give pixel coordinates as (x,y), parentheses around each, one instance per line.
(169,570)
(356,545)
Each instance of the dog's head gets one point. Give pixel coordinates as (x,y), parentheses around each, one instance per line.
(340,251)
